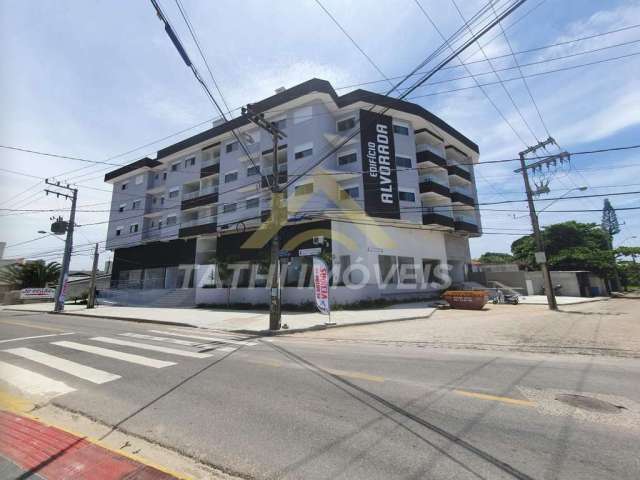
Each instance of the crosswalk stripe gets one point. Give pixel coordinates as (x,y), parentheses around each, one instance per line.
(160,339)
(155,348)
(106,352)
(72,368)
(211,339)
(37,336)
(31,382)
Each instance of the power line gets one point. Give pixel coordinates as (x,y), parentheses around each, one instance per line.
(490,63)
(524,80)
(351,39)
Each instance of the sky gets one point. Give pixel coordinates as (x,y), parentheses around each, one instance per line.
(100,80)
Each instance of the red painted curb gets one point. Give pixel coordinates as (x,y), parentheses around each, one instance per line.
(57,455)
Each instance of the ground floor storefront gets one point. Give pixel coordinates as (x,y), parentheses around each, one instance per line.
(367,262)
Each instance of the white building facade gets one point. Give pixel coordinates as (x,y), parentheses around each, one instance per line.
(396,200)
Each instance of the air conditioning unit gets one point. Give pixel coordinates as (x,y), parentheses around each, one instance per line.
(318,240)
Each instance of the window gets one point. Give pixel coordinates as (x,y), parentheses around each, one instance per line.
(164,175)
(349,192)
(400,129)
(406,196)
(162,200)
(125,185)
(173,193)
(253,202)
(307,152)
(254,170)
(345,263)
(119,231)
(429,267)
(404,162)
(135,205)
(174,167)
(122,207)
(388,269)
(139,179)
(190,162)
(230,177)
(172,220)
(154,200)
(348,158)
(159,224)
(281,124)
(156,176)
(232,147)
(305,189)
(407,270)
(133,228)
(302,114)
(346,124)
(229,207)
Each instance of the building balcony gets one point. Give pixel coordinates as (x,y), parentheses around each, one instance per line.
(427,157)
(462,196)
(208,170)
(432,218)
(204,198)
(187,229)
(466,224)
(460,171)
(152,234)
(429,185)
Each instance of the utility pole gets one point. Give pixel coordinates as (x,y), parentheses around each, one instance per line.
(540,255)
(68,244)
(91,301)
(275,313)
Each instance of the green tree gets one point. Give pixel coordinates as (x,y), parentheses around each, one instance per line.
(35,274)
(632,252)
(496,257)
(609,219)
(569,246)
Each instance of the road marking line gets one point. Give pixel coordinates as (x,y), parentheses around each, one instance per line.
(225,349)
(93,375)
(212,339)
(37,327)
(484,396)
(358,375)
(268,363)
(31,382)
(11,403)
(161,339)
(155,348)
(37,336)
(125,357)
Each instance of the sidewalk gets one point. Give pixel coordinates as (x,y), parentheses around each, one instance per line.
(36,450)
(241,320)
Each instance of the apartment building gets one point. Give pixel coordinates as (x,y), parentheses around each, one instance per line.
(396,200)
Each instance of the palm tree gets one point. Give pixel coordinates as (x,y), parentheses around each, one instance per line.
(36,274)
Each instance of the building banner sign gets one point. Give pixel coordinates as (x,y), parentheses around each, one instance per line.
(321,285)
(37,293)
(379,165)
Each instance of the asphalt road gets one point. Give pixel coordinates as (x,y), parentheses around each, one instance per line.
(292,407)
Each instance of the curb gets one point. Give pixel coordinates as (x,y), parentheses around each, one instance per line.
(241,331)
(108,317)
(272,333)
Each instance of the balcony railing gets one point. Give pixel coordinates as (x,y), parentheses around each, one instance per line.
(199,221)
(462,195)
(190,195)
(209,170)
(431,185)
(467,224)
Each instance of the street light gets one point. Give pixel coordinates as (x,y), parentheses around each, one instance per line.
(581,189)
